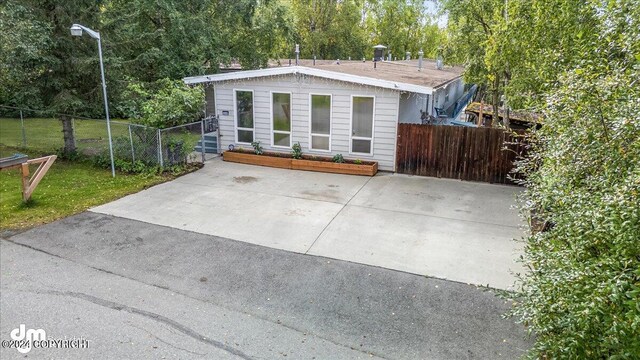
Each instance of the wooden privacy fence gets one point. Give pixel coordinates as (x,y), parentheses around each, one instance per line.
(457,152)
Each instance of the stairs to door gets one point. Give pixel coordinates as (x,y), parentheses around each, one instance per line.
(210,144)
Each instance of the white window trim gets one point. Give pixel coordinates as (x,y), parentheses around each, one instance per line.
(330,123)
(290,132)
(235,116)
(373,126)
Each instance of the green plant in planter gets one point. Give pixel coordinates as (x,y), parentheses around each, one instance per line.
(357,162)
(338,158)
(296,152)
(257,148)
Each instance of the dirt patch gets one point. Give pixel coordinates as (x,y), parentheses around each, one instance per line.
(244,179)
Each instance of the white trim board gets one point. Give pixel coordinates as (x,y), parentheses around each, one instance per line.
(247,74)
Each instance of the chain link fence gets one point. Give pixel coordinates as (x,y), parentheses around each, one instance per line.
(135,144)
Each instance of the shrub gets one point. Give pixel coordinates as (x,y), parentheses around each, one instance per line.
(296,152)
(257,148)
(338,158)
(163,104)
(581,294)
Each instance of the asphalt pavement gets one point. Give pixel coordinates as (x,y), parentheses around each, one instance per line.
(144,291)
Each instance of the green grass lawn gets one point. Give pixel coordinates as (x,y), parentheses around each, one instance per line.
(45,134)
(68,188)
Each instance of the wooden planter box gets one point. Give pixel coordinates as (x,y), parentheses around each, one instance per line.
(366,169)
(337,168)
(253,159)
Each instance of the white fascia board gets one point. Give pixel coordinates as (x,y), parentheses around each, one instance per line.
(364,80)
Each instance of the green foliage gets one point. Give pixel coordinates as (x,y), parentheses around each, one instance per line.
(521,53)
(121,165)
(170,103)
(24,43)
(68,155)
(257,148)
(403,26)
(581,296)
(357,162)
(42,63)
(296,152)
(331,29)
(338,158)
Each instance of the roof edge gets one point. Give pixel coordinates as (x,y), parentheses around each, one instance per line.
(364,80)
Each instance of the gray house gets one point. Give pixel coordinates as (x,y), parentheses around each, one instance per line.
(351,108)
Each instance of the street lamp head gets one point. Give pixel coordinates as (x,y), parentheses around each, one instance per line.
(76,30)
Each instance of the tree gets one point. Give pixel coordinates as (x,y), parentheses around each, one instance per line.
(581,294)
(475,41)
(163,103)
(402,26)
(24,42)
(330,29)
(60,72)
(517,48)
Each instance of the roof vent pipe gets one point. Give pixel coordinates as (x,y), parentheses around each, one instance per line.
(408,55)
(420,55)
(297,53)
(378,52)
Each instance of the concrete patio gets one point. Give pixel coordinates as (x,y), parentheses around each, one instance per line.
(448,229)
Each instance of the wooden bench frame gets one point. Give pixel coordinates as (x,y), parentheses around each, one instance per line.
(29,184)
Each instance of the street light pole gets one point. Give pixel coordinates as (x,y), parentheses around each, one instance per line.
(76,30)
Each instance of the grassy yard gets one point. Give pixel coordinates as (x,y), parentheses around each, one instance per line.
(68,188)
(46,133)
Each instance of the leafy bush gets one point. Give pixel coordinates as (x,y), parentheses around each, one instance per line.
(126,166)
(163,104)
(357,162)
(338,158)
(296,152)
(581,295)
(257,148)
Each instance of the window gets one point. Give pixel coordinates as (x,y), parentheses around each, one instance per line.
(362,124)
(244,116)
(281,119)
(320,114)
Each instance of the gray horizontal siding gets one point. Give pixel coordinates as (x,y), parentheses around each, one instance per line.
(385,120)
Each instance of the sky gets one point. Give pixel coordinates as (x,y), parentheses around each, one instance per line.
(432,7)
